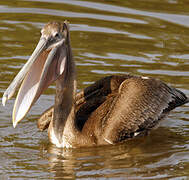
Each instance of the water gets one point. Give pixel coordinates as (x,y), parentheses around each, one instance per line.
(148,38)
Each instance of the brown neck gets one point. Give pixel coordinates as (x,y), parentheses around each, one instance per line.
(64,109)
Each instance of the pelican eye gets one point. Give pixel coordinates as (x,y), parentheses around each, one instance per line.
(56,35)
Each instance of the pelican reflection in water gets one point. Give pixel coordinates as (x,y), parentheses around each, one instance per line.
(112,110)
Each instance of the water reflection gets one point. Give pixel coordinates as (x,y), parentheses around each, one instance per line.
(113,161)
(108,37)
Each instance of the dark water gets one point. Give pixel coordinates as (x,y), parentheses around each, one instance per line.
(142,37)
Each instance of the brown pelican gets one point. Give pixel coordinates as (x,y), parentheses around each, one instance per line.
(109,111)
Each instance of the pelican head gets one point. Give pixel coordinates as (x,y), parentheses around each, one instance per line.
(45,65)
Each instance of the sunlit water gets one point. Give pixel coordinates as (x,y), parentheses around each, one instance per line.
(149,38)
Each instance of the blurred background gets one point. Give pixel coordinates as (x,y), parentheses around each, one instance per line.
(141,37)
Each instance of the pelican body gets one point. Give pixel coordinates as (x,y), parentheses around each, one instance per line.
(111,110)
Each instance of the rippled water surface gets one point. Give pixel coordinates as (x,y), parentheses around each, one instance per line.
(142,37)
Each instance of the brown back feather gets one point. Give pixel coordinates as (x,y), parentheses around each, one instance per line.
(115,107)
